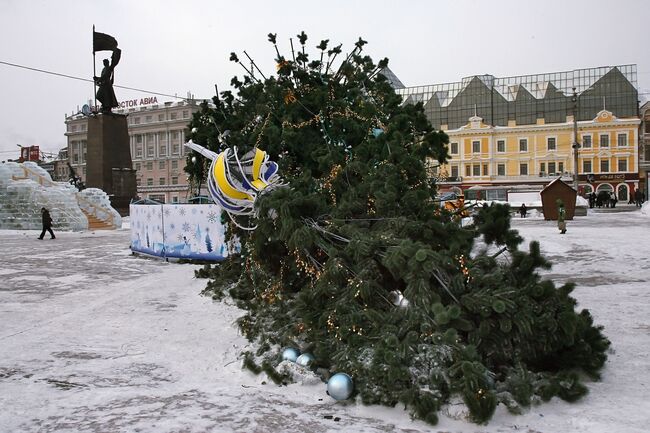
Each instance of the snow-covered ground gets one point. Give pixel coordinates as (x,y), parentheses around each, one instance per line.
(93,339)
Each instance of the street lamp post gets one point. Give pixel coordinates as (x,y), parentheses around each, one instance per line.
(575,145)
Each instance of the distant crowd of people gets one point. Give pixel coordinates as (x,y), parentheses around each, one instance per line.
(609,199)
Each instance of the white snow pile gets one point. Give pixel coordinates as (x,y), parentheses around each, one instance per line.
(645,209)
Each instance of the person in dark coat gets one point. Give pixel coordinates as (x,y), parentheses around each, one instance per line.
(638,197)
(47,223)
(561,216)
(523,210)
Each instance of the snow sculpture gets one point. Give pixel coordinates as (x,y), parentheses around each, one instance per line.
(95,202)
(26,187)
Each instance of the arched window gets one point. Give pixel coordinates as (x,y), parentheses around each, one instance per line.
(588,189)
(604,187)
(622,192)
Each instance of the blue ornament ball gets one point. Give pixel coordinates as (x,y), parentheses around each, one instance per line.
(290,354)
(305,360)
(340,386)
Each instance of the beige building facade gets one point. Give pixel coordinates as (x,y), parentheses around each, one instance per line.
(485,155)
(157,132)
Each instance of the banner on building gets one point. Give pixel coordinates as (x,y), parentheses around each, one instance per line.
(181,231)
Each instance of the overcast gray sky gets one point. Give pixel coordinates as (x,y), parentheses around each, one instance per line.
(176,47)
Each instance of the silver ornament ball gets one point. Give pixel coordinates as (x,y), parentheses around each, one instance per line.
(340,386)
(290,354)
(305,360)
(194,160)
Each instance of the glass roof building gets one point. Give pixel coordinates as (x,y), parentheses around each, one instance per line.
(524,99)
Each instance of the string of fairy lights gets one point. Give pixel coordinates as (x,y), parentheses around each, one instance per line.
(305,263)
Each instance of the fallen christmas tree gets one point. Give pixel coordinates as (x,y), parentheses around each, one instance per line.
(356,263)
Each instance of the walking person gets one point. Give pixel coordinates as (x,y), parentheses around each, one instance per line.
(47,223)
(638,197)
(561,216)
(523,210)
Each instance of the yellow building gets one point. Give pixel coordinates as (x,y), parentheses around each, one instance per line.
(487,155)
(519,130)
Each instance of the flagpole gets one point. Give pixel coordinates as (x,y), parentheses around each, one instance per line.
(94,72)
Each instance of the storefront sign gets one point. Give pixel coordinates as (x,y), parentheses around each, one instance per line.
(609,177)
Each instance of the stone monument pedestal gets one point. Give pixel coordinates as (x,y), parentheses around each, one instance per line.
(108,160)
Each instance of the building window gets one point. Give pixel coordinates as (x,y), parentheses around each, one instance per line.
(586,166)
(138,182)
(160,198)
(551,168)
(604,166)
(586,141)
(550,143)
(162,150)
(622,164)
(186,114)
(175,164)
(604,140)
(176,149)
(173,115)
(149,181)
(542,167)
(175,135)
(453,148)
(175,199)
(501,146)
(485,169)
(73,128)
(560,167)
(150,150)
(454,171)
(138,139)
(622,140)
(161,165)
(148,119)
(137,166)
(161,181)
(476,170)
(149,165)
(174,180)
(161,117)
(501,169)
(523,169)
(476,146)
(523,145)
(136,120)
(468,170)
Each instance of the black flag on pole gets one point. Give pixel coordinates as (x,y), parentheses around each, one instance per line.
(103,42)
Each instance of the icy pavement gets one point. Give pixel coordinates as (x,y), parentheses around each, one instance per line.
(93,339)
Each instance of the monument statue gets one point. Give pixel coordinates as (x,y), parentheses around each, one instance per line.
(108,161)
(105,93)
